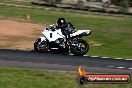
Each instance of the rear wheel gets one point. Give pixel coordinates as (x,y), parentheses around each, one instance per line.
(81,48)
(41,46)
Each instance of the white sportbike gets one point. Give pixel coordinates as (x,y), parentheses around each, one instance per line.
(53,38)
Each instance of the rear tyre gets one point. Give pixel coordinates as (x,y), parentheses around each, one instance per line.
(41,46)
(81,49)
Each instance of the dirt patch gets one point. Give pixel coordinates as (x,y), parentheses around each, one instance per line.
(18,35)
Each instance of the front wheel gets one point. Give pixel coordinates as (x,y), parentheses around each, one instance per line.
(81,48)
(41,46)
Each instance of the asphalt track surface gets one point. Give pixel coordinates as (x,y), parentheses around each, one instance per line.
(30,59)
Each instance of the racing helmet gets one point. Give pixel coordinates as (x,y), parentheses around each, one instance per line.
(61,21)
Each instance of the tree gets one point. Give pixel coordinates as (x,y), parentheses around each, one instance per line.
(124,3)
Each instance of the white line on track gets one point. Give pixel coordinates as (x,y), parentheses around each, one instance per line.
(85,55)
(120,67)
(118,58)
(94,56)
(130,68)
(105,57)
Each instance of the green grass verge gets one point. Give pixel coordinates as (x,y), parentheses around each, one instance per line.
(29,78)
(111,36)
(19,2)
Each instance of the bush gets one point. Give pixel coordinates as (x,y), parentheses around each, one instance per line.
(124,3)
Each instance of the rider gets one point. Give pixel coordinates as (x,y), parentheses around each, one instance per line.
(62,24)
(65,29)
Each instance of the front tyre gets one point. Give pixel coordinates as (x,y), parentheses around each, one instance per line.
(41,46)
(81,48)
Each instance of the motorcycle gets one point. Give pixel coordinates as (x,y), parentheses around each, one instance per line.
(53,38)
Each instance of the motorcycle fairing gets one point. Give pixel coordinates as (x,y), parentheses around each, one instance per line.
(79,32)
(53,35)
(42,38)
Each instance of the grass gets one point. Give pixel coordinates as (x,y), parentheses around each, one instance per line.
(29,78)
(19,2)
(111,36)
